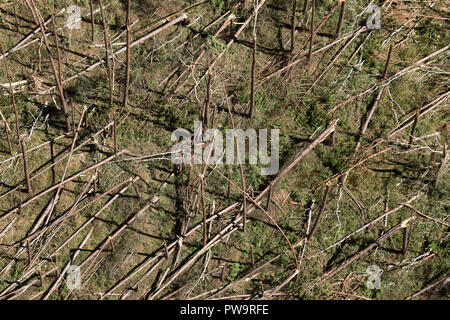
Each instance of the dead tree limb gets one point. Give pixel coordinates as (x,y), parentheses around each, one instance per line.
(56,284)
(107,50)
(305,6)
(414,126)
(91,8)
(359,254)
(37,18)
(388,60)
(299,157)
(341,19)
(256,201)
(59,160)
(293,24)
(229,44)
(253,80)
(244,202)
(115,132)
(333,60)
(444,280)
(123,49)
(311,39)
(365,226)
(128,63)
(423,215)
(58,53)
(301,55)
(405,241)
(69,179)
(205,113)
(374,105)
(416,65)
(22,42)
(319,215)
(200,55)
(69,158)
(25,163)
(205,236)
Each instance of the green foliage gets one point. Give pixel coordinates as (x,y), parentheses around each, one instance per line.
(235,270)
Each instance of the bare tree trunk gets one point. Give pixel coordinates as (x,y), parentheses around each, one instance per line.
(205,227)
(107,49)
(54,187)
(244,202)
(91,7)
(341,19)
(123,49)
(253,80)
(366,122)
(127,77)
(59,84)
(386,67)
(135,186)
(414,126)
(445,279)
(305,6)
(405,241)
(423,215)
(293,24)
(15,17)
(58,53)
(230,174)
(374,106)
(115,132)
(319,215)
(205,113)
(311,40)
(269,197)
(359,254)
(29,253)
(25,163)
(282,173)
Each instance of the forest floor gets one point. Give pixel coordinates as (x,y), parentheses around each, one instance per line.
(359,208)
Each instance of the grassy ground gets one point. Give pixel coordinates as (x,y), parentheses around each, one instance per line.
(154,111)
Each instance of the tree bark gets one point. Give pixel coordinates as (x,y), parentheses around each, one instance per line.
(311,40)
(293,24)
(253,80)
(25,164)
(127,75)
(341,19)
